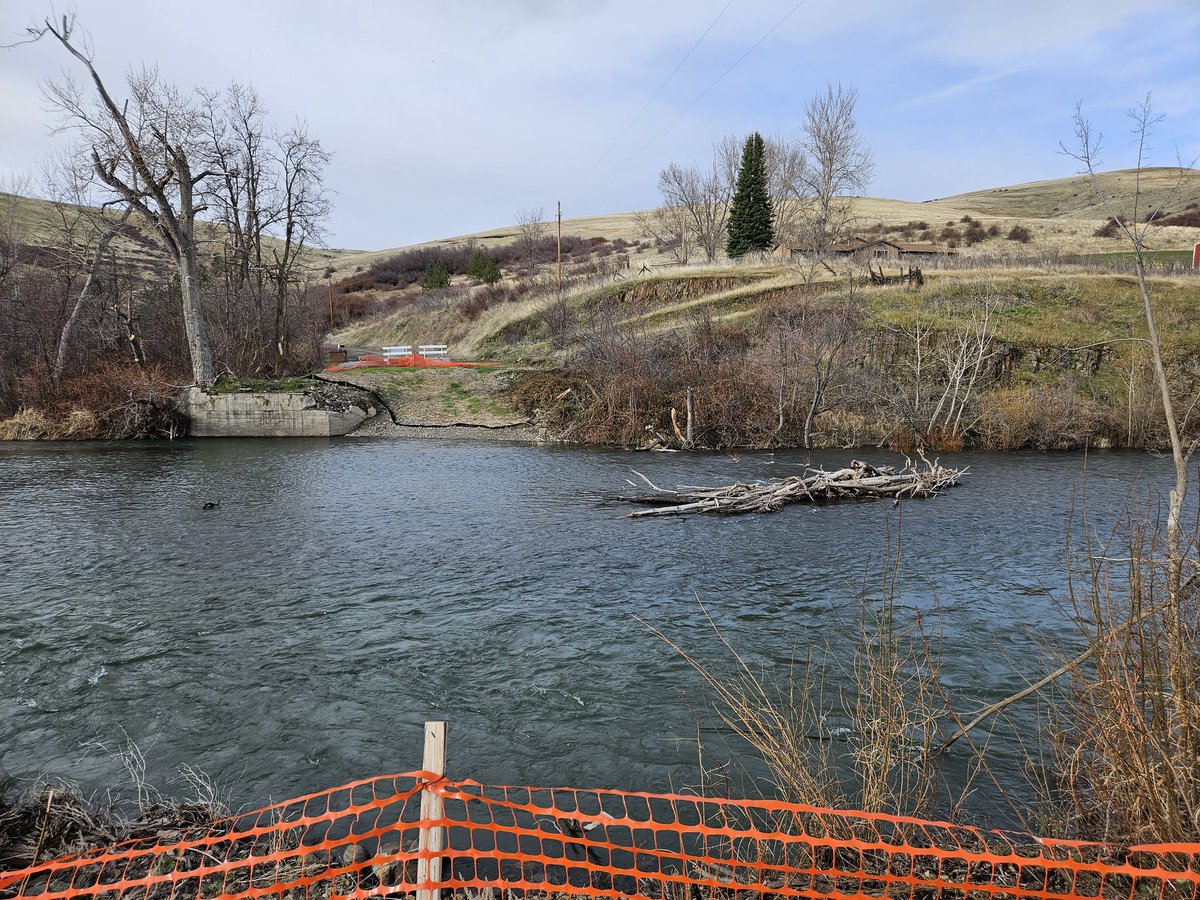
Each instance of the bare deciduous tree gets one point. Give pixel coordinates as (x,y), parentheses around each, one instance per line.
(946,371)
(667,226)
(266,185)
(241,198)
(303,206)
(82,239)
(1167,742)
(786,166)
(143,152)
(703,197)
(1134,224)
(531,228)
(838,165)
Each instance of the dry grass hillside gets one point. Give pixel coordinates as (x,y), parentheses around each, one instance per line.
(1074,198)
(1062,215)
(37,223)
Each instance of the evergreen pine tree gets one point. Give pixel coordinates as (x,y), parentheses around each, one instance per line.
(483,267)
(436,276)
(751,218)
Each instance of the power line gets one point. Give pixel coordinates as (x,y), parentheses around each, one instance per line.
(654,96)
(704,92)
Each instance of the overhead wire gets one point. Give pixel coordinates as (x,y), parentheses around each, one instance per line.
(654,96)
(705,92)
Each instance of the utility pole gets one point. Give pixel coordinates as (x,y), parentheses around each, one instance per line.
(560,248)
(329,282)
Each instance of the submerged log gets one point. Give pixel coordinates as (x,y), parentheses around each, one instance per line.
(858,480)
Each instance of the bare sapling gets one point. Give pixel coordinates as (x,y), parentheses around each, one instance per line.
(1134,224)
(1130,764)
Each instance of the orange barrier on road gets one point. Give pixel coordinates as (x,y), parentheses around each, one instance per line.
(361,840)
(410,361)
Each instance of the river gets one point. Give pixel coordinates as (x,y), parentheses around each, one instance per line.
(347,590)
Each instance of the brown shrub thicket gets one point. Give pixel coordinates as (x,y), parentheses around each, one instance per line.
(408,267)
(1054,416)
(132,324)
(975,233)
(755,382)
(113,400)
(1188,217)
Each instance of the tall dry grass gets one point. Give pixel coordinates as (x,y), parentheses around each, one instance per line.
(869,747)
(1127,738)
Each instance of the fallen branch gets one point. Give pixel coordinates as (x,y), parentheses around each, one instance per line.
(858,480)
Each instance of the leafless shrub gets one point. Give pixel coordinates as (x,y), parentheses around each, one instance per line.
(1056,416)
(112,401)
(50,819)
(942,375)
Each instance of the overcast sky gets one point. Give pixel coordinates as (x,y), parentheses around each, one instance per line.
(448,117)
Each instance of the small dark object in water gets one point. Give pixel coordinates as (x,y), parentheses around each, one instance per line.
(212,504)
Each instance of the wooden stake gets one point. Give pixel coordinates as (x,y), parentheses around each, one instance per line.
(560,248)
(433,837)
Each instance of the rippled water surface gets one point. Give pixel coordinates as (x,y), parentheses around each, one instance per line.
(345,591)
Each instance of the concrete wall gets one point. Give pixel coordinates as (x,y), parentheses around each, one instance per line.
(265,415)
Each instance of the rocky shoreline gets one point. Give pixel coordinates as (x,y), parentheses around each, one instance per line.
(382,427)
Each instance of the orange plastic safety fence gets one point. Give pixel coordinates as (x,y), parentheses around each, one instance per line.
(412,360)
(361,840)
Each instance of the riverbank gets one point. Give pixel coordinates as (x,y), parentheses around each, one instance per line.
(382,427)
(756,358)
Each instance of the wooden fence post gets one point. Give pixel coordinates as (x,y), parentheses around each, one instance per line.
(433,838)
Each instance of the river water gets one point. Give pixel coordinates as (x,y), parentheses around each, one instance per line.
(345,591)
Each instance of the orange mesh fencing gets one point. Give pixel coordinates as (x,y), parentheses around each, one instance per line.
(361,840)
(410,361)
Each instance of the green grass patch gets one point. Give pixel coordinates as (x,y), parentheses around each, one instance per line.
(227,385)
(1049,311)
(458,397)
(1175,258)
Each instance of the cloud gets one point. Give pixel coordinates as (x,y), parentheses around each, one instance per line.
(448,117)
(991,33)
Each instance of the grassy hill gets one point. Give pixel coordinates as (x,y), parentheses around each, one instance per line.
(1062,214)
(37,223)
(617,353)
(1074,198)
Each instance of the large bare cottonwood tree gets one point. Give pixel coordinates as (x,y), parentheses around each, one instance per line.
(144,152)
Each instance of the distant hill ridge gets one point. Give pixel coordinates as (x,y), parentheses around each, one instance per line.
(1075,198)
(1059,198)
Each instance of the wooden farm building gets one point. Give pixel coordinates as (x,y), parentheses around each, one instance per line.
(865,250)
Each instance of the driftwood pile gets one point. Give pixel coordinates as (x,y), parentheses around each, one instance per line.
(858,480)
